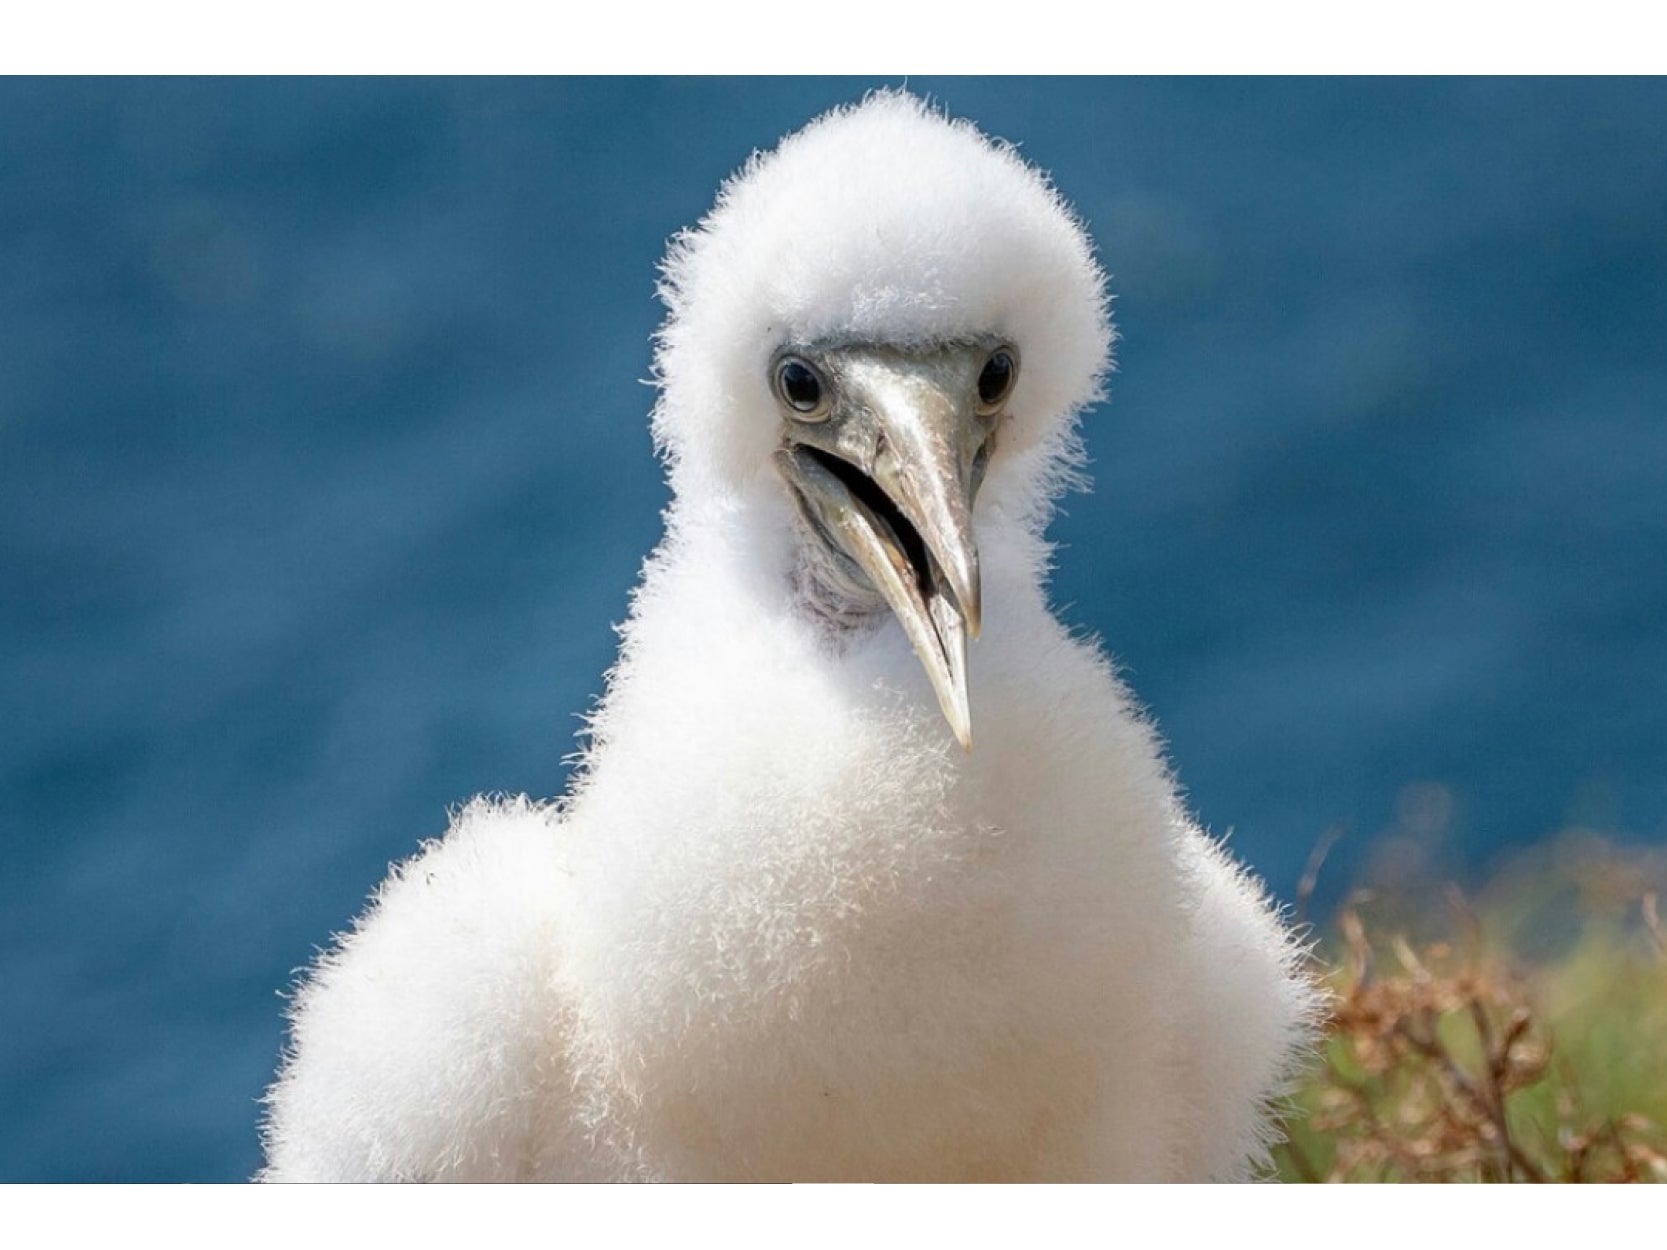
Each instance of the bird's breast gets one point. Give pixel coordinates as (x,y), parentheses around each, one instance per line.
(793,890)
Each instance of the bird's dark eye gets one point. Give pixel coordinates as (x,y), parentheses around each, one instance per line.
(997,379)
(799,386)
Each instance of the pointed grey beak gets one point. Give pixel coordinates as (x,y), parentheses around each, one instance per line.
(885,472)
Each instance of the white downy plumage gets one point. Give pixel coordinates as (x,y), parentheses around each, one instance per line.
(784,926)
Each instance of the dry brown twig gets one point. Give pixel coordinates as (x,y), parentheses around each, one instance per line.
(1437,1069)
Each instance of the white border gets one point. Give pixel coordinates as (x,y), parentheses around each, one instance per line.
(882,37)
(811,1217)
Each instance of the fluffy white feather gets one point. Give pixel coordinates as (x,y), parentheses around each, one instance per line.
(783,927)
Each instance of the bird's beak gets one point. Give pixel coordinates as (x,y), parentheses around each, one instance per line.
(887,483)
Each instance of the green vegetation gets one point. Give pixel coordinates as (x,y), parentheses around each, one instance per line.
(1518,1035)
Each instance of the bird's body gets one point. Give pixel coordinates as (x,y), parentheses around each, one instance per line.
(785,927)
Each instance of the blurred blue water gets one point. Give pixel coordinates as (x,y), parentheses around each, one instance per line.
(324,471)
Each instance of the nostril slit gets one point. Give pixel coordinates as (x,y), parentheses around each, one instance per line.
(981,462)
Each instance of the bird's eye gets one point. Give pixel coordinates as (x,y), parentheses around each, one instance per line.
(996,382)
(800,387)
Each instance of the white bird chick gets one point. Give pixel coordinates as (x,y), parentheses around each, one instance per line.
(785,926)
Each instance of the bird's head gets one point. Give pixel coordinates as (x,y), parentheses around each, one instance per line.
(890,321)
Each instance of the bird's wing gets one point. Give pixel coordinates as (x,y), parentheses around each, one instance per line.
(427,1044)
(1250,1024)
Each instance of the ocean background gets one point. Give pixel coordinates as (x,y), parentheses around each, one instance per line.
(325,472)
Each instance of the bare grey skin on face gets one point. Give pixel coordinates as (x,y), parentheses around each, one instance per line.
(884,449)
